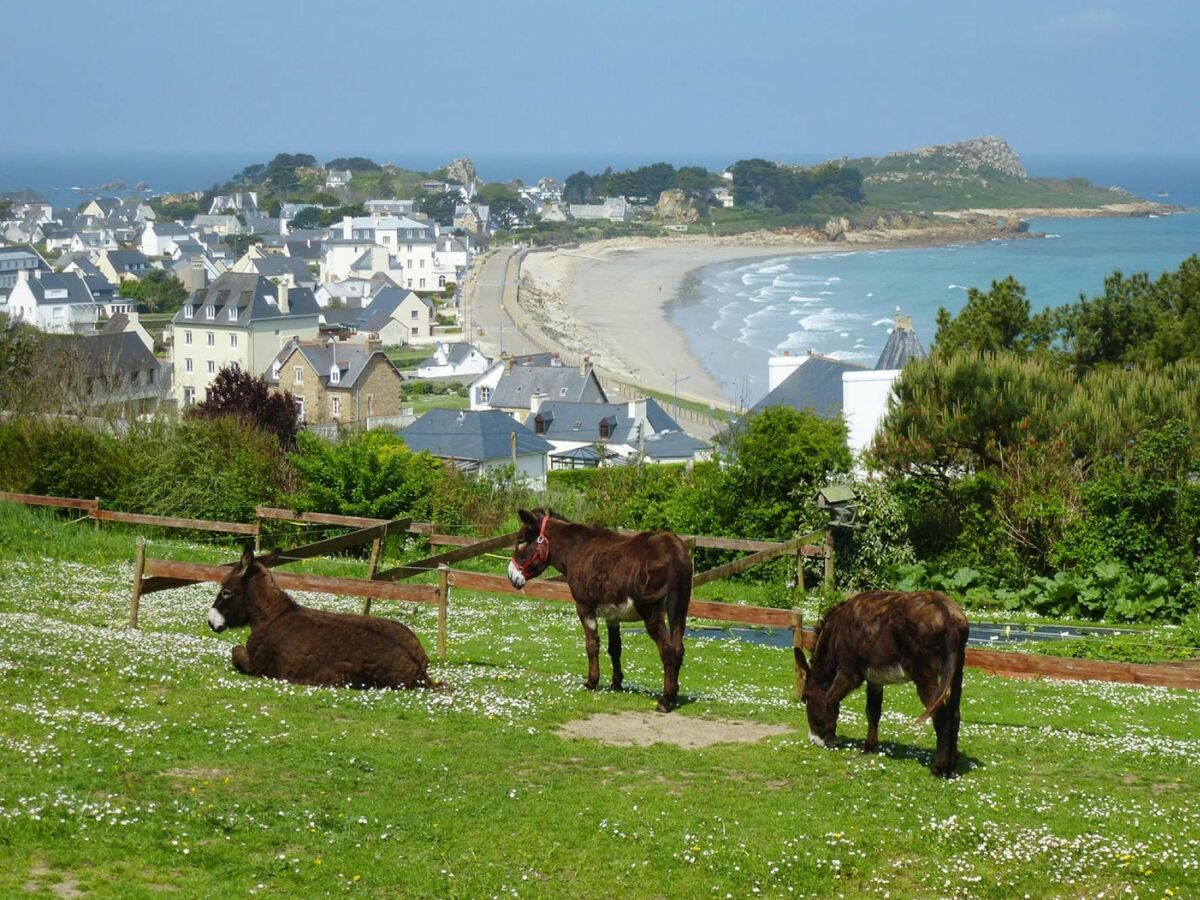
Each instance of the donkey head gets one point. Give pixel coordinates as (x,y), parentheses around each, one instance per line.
(532,553)
(822,714)
(231,609)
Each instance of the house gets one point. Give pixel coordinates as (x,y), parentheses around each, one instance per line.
(284,269)
(522,384)
(866,394)
(613,209)
(158,238)
(338,178)
(217,223)
(337,383)
(390,207)
(617,431)
(59,303)
(92,240)
(15,259)
(398,316)
(487,441)
(113,370)
(101,207)
(121,265)
(407,252)
(57,238)
(812,382)
(241,317)
(340,294)
(453,360)
(242,201)
(471,217)
(196,272)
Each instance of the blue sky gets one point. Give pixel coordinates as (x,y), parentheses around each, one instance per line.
(782,80)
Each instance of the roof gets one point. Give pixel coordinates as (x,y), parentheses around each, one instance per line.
(350,359)
(673,445)
(559,383)
(251,294)
(581,421)
(128,259)
(478,436)
(74,285)
(104,354)
(457,353)
(276,265)
(384,305)
(902,345)
(816,384)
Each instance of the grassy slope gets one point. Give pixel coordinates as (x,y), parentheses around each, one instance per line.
(135,762)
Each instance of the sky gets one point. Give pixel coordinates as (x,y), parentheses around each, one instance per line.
(783,80)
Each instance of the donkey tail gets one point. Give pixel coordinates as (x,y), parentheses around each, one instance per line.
(951,661)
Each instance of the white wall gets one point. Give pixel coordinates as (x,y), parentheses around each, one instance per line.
(864,403)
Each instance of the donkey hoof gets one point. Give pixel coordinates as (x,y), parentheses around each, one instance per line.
(590,684)
(616,686)
(944,772)
(663,706)
(871,748)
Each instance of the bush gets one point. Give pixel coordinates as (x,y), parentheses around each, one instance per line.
(59,458)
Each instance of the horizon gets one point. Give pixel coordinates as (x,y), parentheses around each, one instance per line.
(791,84)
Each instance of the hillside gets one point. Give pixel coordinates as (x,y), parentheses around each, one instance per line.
(979,173)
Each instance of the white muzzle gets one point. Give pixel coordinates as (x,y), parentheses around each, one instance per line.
(216,621)
(515,577)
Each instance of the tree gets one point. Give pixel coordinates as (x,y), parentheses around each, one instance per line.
(992,320)
(508,212)
(235,392)
(578,188)
(494,193)
(20,347)
(354,164)
(438,205)
(156,291)
(309,217)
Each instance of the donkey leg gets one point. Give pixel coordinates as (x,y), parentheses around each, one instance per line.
(241,659)
(874,711)
(944,727)
(657,630)
(614,653)
(592,642)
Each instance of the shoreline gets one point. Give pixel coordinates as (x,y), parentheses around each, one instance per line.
(611,299)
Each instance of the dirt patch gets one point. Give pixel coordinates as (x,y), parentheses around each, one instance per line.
(65,884)
(635,729)
(210,774)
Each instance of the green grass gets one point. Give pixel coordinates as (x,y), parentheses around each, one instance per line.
(133,763)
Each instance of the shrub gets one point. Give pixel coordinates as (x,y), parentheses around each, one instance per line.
(59,458)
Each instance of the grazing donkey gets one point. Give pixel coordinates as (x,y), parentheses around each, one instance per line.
(308,646)
(615,577)
(888,637)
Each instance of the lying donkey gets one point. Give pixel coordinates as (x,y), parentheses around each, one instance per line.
(888,637)
(308,646)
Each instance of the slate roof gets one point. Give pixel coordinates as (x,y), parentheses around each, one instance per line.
(581,421)
(351,360)
(251,294)
(457,353)
(104,354)
(673,445)
(128,260)
(72,283)
(558,383)
(902,345)
(479,436)
(306,249)
(83,263)
(375,316)
(276,265)
(816,384)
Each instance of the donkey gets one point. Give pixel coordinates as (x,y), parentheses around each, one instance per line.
(308,646)
(889,637)
(615,577)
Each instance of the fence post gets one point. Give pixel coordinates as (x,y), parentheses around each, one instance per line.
(257,534)
(798,644)
(96,509)
(829,557)
(139,566)
(798,584)
(376,549)
(443,600)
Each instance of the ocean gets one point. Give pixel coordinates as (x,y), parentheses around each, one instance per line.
(738,314)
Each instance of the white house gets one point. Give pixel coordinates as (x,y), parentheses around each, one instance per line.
(59,303)
(480,442)
(614,209)
(159,238)
(456,360)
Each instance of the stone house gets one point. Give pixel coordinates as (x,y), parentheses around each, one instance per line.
(337,383)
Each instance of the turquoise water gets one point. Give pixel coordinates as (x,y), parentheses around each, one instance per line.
(842,304)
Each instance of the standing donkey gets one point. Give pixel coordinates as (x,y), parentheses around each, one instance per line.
(615,577)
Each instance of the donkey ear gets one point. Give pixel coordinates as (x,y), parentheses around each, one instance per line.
(801,662)
(247,559)
(271,559)
(528,518)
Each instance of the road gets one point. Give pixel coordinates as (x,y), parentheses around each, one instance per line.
(488,324)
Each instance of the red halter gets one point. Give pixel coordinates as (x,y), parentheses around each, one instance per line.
(541,552)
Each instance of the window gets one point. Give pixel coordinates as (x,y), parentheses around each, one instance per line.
(187,337)
(422,282)
(233,314)
(187,311)
(441,281)
(212,367)
(370,404)
(539,425)
(299,375)
(210,312)
(211,339)
(484,394)
(414,314)
(189,396)
(335,375)
(300,408)
(604,429)
(410,245)
(233,340)
(410,282)
(337,406)
(187,364)
(422,264)
(416,332)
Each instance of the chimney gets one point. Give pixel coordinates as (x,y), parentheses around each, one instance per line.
(903,323)
(347,227)
(637,410)
(282,298)
(373,344)
(556,360)
(780,367)
(283,225)
(535,402)
(508,363)
(583,365)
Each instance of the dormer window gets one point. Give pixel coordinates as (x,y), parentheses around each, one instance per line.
(604,429)
(210,312)
(233,314)
(539,425)
(335,374)
(188,310)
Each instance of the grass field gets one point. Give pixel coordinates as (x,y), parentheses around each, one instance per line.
(134,763)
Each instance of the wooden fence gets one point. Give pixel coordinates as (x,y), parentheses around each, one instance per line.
(155,575)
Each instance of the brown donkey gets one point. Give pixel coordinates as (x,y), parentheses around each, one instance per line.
(615,577)
(308,646)
(889,637)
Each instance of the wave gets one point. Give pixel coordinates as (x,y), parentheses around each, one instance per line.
(878,322)
(956,287)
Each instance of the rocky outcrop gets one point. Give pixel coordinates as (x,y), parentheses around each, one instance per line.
(973,155)
(677,207)
(461,171)
(836,228)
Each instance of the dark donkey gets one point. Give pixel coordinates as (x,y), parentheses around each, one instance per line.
(615,577)
(309,646)
(889,637)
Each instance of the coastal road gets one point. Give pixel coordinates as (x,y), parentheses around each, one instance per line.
(484,297)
